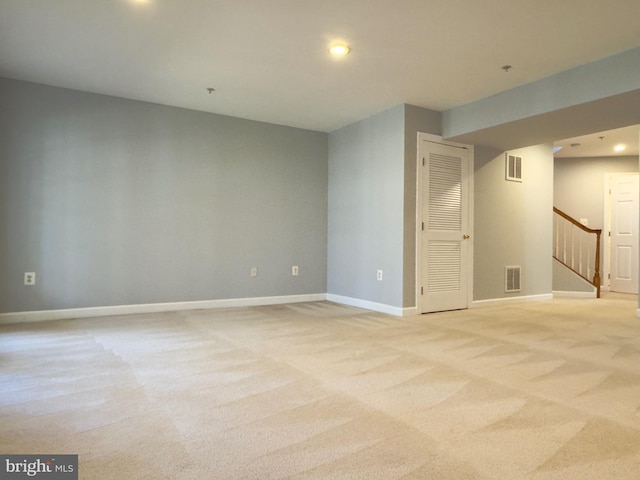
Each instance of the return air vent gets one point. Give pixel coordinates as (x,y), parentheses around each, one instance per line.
(513,168)
(512,279)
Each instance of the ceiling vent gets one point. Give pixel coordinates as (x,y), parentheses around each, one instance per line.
(512,279)
(513,168)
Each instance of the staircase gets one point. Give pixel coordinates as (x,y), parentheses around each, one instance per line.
(577,247)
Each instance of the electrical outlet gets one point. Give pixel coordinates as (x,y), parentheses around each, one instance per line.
(294,270)
(379,275)
(254,271)
(29,278)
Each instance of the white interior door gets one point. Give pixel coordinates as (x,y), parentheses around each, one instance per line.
(624,233)
(444,270)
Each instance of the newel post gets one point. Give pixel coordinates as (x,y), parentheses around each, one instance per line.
(596,275)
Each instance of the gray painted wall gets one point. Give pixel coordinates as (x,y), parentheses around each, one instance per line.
(116,202)
(370,231)
(416,120)
(564,280)
(366,209)
(578,184)
(513,222)
(593,81)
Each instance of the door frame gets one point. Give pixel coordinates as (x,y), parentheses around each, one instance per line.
(606,228)
(428,137)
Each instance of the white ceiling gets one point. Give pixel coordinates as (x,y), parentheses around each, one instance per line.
(601,144)
(268,61)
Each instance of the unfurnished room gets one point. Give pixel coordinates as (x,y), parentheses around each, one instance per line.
(319,240)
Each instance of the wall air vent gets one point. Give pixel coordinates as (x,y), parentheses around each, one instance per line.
(512,279)
(513,168)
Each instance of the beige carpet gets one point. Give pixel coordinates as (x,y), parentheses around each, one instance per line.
(319,391)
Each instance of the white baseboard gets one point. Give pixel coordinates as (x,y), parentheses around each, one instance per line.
(376,307)
(38,316)
(510,300)
(410,311)
(562,294)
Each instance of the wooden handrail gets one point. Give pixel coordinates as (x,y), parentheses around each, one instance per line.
(575,222)
(598,233)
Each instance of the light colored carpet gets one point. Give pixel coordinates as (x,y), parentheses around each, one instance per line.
(320,391)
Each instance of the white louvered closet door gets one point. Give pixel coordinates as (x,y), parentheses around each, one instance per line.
(445,224)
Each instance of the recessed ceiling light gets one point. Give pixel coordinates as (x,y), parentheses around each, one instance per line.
(620,147)
(339,49)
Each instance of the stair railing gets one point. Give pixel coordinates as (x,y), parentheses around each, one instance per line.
(577,247)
